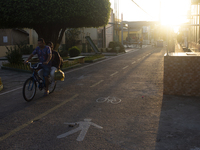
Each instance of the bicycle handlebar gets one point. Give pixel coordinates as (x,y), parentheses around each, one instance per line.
(36,66)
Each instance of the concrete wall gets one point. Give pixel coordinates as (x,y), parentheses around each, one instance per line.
(13,37)
(33,37)
(182,75)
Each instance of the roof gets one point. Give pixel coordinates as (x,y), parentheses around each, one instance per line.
(140,24)
(21,30)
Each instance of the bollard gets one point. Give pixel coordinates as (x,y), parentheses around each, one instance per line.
(1,84)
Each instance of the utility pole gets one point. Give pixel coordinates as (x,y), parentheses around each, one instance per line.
(160,12)
(122,32)
(104,37)
(160,18)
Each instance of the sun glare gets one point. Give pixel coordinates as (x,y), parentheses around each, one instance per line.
(169,12)
(173,12)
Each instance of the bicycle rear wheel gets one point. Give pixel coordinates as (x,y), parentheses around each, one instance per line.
(101,99)
(52,87)
(29,89)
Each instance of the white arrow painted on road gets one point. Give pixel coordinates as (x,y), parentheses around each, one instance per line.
(83,127)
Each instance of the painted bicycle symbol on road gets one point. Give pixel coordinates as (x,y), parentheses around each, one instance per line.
(109,99)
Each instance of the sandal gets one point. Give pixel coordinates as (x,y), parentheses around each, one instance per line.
(46,93)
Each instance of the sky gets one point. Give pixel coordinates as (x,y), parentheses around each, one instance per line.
(173,12)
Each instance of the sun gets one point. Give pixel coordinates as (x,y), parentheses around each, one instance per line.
(174,12)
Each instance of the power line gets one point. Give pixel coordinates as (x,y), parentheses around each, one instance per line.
(141,8)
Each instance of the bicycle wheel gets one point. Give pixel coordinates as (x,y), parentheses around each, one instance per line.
(101,100)
(29,89)
(52,87)
(115,100)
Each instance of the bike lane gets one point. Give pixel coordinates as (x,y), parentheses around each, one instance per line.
(114,119)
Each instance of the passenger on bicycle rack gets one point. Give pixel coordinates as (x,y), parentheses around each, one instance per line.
(44,54)
(56,62)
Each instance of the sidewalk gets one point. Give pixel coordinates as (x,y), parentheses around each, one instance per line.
(178,48)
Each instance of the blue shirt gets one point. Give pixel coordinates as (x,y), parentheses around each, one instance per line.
(42,54)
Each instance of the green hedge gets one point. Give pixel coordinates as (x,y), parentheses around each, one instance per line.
(114,44)
(74,51)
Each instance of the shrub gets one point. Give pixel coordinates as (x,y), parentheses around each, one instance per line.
(74,51)
(24,48)
(89,50)
(63,51)
(14,55)
(71,37)
(114,44)
(119,44)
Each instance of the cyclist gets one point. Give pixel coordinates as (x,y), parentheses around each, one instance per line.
(140,42)
(44,54)
(56,61)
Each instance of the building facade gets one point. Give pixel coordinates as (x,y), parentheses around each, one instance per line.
(10,37)
(190,33)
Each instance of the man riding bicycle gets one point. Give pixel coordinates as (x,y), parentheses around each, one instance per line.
(44,54)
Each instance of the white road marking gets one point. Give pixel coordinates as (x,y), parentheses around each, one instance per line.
(133,62)
(36,118)
(125,67)
(96,83)
(78,69)
(10,91)
(99,62)
(109,99)
(114,73)
(83,127)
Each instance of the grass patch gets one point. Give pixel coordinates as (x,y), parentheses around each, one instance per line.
(65,58)
(66,64)
(91,58)
(17,66)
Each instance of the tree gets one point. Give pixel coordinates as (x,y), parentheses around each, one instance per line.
(50,18)
(71,36)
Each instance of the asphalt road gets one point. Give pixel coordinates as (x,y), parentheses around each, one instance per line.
(73,118)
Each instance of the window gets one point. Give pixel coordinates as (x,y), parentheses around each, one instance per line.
(5,39)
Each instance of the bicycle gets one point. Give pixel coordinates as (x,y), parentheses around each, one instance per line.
(110,99)
(30,85)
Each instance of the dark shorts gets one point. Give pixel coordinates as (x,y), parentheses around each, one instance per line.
(46,69)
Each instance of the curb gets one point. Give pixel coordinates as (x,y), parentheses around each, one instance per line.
(113,54)
(75,66)
(14,69)
(3,59)
(91,61)
(26,71)
(1,85)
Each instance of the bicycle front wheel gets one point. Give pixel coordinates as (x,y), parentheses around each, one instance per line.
(115,100)
(29,89)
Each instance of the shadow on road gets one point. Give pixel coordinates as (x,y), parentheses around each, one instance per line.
(158,49)
(179,125)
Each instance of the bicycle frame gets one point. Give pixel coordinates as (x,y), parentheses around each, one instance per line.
(31,84)
(37,78)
